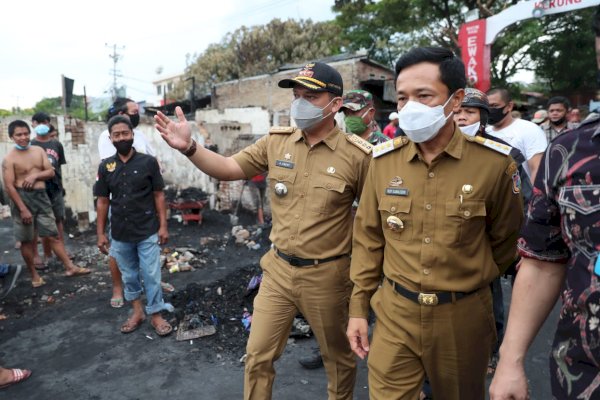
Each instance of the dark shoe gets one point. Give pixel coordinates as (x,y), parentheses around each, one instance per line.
(313,361)
(9,279)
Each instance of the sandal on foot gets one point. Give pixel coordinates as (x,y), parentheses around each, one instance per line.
(163,329)
(167,287)
(77,272)
(18,375)
(37,284)
(41,266)
(116,302)
(131,326)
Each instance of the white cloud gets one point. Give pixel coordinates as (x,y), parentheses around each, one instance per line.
(42,40)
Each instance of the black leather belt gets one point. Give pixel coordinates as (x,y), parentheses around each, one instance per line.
(304,262)
(428,299)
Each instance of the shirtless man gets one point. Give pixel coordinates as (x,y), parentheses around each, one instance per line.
(24,170)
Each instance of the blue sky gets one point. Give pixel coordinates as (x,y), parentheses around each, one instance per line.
(42,40)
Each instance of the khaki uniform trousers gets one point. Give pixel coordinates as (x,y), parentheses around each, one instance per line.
(451,343)
(321,293)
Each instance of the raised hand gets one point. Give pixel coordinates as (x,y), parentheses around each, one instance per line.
(178,134)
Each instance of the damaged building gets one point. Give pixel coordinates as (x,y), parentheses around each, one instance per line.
(235,115)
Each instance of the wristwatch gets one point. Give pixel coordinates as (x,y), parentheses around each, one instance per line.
(190,150)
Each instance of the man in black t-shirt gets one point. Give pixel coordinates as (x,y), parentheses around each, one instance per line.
(56,155)
(131,184)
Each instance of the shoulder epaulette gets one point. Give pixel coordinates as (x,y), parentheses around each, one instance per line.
(490,144)
(282,130)
(390,145)
(360,143)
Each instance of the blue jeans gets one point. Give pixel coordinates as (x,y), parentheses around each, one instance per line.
(141,261)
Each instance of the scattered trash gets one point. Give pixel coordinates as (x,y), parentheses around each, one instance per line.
(194,326)
(3,317)
(178,262)
(300,328)
(253,284)
(149,337)
(243,358)
(246,319)
(220,291)
(304,381)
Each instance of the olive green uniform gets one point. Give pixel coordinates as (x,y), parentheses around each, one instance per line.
(450,227)
(311,220)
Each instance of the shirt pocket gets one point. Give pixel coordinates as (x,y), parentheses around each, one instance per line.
(580,210)
(398,207)
(287,177)
(464,221)
(326,193)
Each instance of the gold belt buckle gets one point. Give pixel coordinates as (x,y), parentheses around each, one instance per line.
(428,299)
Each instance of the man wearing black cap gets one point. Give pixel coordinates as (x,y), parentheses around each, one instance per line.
(315,173)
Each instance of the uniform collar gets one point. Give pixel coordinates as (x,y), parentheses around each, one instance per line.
(331,140)
(454,148)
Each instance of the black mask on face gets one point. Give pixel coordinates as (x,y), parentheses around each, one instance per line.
(134,118)
(559,122)
(496,115)
(123,146)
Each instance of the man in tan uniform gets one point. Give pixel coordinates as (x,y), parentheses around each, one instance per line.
(315,173)
(437,222)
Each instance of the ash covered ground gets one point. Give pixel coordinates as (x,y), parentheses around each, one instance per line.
(67,333)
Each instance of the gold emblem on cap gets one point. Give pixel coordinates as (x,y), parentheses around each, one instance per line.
(395,223)
(287,156)
(396,181)
(467,189)
(330,170)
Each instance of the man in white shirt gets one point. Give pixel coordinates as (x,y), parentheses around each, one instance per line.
(524,135)
(129,108)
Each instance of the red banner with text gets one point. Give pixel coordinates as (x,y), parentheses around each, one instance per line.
(475,54)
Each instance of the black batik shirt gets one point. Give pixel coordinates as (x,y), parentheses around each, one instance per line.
(563,226)
(132,186)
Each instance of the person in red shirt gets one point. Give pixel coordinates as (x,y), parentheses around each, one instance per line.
(392,127)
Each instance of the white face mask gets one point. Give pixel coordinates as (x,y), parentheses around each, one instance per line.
(306,114)
(471,130)
(420,122)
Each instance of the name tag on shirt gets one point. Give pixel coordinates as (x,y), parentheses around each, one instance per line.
(284,164)
(396,191)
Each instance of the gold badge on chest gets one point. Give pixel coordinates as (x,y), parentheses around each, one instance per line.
(394,223)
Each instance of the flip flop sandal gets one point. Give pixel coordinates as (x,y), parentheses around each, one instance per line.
(37,284)
(117,302)
(163,329)
(130,326)
(18,375)
(167,287)
(41,266)
(79,271)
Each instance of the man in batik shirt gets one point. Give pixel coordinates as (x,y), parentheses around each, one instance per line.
(560,246)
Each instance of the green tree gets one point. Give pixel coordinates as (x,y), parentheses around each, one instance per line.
(564,54)
(261,49)
(53,106)
(387,28)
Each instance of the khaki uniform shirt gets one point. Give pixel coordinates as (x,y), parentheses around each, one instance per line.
(313,220)
(460,218)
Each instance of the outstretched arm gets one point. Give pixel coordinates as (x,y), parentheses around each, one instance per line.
(535,292)
(178,135)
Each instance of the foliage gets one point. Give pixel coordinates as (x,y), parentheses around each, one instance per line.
(261,49)
(53,106)
(387,28)
(564,56)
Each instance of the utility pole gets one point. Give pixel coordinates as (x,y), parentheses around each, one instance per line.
(192,94)
(115,73)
